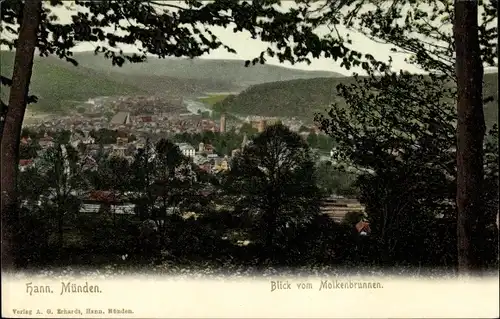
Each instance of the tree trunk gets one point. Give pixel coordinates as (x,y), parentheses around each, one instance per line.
(470,135)
(21,76)
(60,228)
(270,219)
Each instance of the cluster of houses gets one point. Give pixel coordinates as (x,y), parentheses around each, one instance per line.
(139,124)
(260,123)
(146,124)
(204,156)
(163,123)
(147,104)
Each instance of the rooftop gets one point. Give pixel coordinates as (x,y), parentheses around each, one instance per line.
(120,118)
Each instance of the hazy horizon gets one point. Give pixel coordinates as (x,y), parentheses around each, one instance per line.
(298,66)
(248,48)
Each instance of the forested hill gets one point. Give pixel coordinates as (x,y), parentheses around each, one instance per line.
(303,98)
(58,83)
(229,71)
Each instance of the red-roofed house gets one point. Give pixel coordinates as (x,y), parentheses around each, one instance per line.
(146,119)
(24,164)
(363,228)
(208,148)
(25,140)
(103,197)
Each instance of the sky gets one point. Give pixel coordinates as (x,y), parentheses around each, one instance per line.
(248,48)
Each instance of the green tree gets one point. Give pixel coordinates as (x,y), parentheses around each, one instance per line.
(332,180)
(490,197)
(165,181)
(114,174)
(36,218)
(402,142)
(64,177)
(104,136)
(62,137)
(274,179)
(438,36)
(28,151)
(105,176)
(247,128)
(352,218)
(142,178)
(26,132)
(32,185)
(312,140)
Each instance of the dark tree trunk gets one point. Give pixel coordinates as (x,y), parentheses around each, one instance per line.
(60,228)
(470,136)
(270,225)
(21,76)
(270,233)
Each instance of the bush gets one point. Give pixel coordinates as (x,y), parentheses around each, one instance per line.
(31,239)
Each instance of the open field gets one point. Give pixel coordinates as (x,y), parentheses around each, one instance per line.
(211,100)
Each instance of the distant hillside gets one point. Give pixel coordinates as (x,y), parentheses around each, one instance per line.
(58,84)
(231,71)
(299,98)
(303,98)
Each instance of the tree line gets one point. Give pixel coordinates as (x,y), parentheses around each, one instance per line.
(270,199)
(268,196)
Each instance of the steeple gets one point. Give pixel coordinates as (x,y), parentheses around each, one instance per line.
(245,141)
(222,125)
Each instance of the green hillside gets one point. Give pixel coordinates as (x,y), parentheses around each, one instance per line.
(56,82)
(154,82)
(303,98)
(300,98)
(59,84)
(58,87)
(231,71)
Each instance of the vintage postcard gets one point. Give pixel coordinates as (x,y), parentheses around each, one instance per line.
(249,159)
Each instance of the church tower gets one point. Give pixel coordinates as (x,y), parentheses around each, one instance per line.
(245,141)
(262,126)
(222,123)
